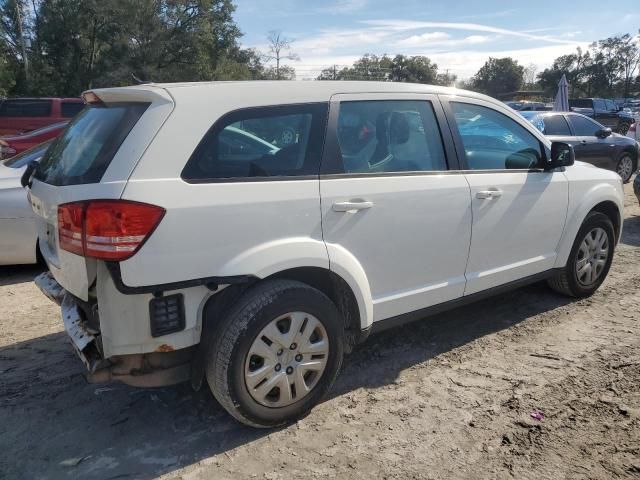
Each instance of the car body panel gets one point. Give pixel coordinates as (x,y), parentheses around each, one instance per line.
(18,236)
(258,228)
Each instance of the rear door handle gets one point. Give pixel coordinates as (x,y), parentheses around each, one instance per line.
(488,194)
(351,207)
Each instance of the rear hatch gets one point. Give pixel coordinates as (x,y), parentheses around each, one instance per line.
(92,159)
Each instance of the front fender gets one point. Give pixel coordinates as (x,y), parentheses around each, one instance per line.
(582,200)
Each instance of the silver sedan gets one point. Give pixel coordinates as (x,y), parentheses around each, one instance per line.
(18,235)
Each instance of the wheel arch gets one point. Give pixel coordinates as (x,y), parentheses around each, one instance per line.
(603,198)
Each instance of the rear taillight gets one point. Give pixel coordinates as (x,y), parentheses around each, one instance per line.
(106,229)
(633,127)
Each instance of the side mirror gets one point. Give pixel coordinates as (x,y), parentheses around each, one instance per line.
(562,155)
(603,133)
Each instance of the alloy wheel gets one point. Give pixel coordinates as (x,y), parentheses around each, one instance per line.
(592,256)
(286,360)
(625,168)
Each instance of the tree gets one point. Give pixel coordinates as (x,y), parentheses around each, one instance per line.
(400,68)
(280,49)
(285,72)
(574,66)
(498,76)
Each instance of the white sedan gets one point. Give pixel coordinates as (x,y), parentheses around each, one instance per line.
(18,234)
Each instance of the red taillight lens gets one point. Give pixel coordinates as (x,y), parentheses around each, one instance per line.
(633,127)
(110,229)
(70,217)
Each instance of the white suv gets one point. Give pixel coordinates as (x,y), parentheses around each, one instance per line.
(249,233)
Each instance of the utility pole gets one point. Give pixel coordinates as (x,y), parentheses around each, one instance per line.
(25,59)
(335,76)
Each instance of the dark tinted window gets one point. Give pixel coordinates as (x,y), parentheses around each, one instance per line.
(389,136)
(583,126)
(27,156)
(492,140)
(555,125)
(599,104)
(85,149)
(581,103)
(261,142)
(25,108)
(71,109)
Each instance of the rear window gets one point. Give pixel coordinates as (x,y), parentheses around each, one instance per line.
(71,109)
(260,143)
(85,149)
(25,108)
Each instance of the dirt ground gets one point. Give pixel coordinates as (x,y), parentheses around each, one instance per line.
(448,398)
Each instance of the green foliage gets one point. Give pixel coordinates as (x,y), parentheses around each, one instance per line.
(73,45)
(608,68)
(400,68)
(498,76)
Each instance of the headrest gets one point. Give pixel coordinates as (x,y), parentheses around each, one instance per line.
(392,127)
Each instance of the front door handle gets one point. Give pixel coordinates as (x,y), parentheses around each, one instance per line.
(488,194)
(351,207)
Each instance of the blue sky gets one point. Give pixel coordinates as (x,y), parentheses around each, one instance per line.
(458,35)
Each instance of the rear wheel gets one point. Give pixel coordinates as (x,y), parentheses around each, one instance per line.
(624,168)
(623,128)
(277,353)
(590,258)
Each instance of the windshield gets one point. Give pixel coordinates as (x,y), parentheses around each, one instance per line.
(85,149)
(34,153)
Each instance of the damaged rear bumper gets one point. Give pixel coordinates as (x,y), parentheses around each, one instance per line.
(142,370)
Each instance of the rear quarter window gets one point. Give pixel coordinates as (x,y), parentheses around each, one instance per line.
(25,108)
(85,149)
(260,143)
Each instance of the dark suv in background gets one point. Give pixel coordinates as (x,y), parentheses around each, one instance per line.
(603,111)
(19,115)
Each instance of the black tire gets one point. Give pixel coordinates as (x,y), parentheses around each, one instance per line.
(237,331)
(566,280)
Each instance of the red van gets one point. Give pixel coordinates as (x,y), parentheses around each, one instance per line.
(19,115)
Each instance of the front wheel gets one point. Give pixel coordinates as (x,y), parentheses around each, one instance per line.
(624,168)
(590,258)
(277,353)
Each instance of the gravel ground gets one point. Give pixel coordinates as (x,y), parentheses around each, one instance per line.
(448,398)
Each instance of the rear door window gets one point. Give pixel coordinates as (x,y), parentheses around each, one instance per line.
(260,144)
(556,125)
(25,108)
(85,149)
(71,109)
(378,136)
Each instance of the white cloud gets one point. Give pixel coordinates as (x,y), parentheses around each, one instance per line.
(406,25)
(343,6)
(424,39)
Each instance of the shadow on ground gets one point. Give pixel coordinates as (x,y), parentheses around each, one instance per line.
(12,274)
(75,430)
